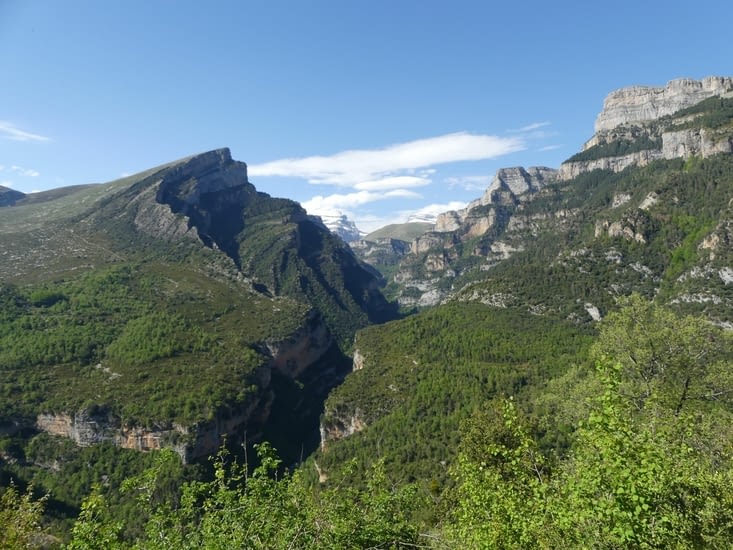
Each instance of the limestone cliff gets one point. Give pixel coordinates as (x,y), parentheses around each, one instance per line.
(424,273)
(289,357)
(338,424)
(645,103)
(640,124)
(509,187)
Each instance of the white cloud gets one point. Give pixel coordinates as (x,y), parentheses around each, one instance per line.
(19,170)
(534,131)
(392,182)
(365,166)
(338,203)
(550,147)
(25,172)
(9,131)
(402,194)
(6,183)
(531,127)
(469,183)
(432,210)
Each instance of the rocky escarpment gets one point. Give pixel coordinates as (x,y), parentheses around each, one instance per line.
(338,424)
(292,355)
(686,143)
(386,246)
(90,427)
(636,104)
(701,142)
(289,357)
(509,187)
(639,125)
(209,191)
(433,254)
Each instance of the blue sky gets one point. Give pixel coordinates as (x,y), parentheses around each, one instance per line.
(376,109)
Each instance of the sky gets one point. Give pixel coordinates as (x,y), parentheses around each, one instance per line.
(374,109)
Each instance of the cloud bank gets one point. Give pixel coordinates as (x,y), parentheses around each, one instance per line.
(393,172)
(373,166)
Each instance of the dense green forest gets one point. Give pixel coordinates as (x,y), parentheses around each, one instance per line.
(122,334)
(646,460)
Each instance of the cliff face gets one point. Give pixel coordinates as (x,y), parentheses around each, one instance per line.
(290,357)
(86,428)
(509,187)
(338,424)
(639,125)
(644,103)
(700,142)
(570,170)
(424,272)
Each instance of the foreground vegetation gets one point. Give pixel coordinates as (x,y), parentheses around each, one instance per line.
(648,465)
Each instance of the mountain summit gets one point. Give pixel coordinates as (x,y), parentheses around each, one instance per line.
(169,300)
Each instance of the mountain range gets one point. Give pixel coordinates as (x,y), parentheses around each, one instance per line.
(686,122)
(181,308)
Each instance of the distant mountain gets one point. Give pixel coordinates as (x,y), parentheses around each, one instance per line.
(652,147)
(513,286)
(342,226)
(9,196)
(401,231)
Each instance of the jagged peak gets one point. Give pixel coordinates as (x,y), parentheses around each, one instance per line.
(519,180)
(209,172)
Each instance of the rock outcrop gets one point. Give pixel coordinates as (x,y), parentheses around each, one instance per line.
(434,252)
(373,248)
(289,357)
(636,104)
(639,125)
(90,427)
(700,142)
(509,187)
(570,170)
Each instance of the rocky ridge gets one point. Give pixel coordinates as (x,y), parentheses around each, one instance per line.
(436,250)
(643,118)
(637,126)
(636,104)
(201,209)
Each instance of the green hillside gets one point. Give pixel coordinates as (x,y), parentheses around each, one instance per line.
(401,231)
(171,309)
